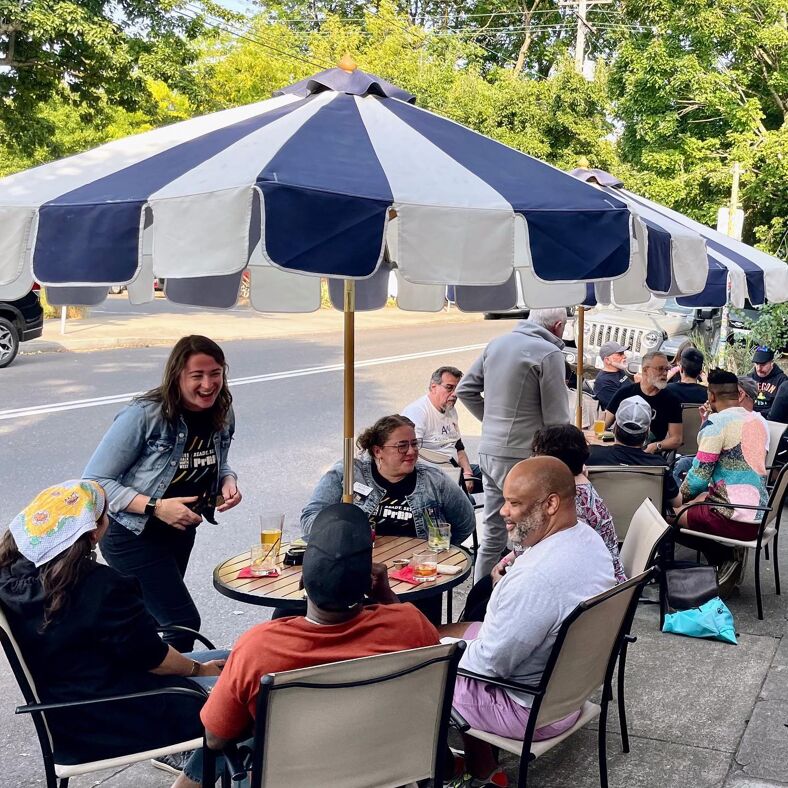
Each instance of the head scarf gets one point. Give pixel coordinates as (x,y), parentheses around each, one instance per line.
(56,518)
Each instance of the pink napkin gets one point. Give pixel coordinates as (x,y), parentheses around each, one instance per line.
(247,572)
(405,575)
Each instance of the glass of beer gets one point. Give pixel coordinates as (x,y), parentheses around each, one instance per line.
(425,567)
(271,525)
(599,427)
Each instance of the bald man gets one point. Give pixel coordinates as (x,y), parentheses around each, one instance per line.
(564,563)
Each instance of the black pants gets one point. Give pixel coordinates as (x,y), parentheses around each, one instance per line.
(478,597)
(158,558)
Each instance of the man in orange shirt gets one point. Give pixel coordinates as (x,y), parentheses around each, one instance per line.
(339,577)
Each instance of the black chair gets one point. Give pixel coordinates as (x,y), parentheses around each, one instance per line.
(379,720)
(58,775)
(582,660)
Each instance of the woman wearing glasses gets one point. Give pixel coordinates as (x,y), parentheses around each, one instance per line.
(392,488)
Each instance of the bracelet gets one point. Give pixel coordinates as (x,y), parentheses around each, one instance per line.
(195,669)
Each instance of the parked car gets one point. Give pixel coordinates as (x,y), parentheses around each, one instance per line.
(20,321)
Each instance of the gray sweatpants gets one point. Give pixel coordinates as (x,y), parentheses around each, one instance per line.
(494,470)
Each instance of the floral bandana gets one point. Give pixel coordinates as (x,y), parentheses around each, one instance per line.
(56,518)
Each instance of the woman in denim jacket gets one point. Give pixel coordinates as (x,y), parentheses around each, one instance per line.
(392,488)
(163,464)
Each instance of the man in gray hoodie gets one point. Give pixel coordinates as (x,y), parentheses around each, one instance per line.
(517,386)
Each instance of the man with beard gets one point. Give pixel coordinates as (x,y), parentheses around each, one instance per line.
(564,562)
(666,430)
(768,377)
(613,375)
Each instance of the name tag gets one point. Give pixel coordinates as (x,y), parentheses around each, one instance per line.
(361,489)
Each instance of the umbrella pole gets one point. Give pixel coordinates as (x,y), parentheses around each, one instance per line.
(580,325)
(349,307)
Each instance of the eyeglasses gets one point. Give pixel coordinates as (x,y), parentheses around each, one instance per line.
(448,386)
(659,369)
(403,446)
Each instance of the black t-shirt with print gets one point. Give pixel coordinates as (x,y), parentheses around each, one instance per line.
(197,469)
(394,516)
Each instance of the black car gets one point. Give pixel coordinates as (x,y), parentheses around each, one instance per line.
(20,321)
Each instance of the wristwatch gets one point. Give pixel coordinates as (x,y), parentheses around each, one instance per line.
(150,506)
(659,445)
(195,669)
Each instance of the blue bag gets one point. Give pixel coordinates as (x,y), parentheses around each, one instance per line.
(711,620)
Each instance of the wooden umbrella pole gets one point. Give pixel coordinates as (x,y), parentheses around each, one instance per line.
(349,311)
(579,340)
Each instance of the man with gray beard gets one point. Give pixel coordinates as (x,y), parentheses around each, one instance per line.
(563,563)
(666,428)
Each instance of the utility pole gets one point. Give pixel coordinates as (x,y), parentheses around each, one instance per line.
(580,7)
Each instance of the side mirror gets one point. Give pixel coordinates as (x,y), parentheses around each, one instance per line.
(633,368)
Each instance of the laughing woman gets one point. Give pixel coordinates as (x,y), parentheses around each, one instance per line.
(163,463)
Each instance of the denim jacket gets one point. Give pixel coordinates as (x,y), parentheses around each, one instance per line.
(433,489)
(139,454)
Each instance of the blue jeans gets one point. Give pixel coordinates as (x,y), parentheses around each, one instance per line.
(682,465)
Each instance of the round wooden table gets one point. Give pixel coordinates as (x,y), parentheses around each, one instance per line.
(283,591)
(594,440)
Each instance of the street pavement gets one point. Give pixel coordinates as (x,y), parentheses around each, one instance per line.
(701,713)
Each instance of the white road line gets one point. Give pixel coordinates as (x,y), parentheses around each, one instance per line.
(94,402)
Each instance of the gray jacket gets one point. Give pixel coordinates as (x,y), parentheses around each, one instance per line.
(517,386)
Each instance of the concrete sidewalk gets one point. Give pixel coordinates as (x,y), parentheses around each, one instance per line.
(164,327)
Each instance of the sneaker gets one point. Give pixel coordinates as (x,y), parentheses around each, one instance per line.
(498,779)
(171,763)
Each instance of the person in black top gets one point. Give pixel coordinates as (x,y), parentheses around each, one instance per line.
(689,388)
(779,409)
(85,633)
(631,429)
(613,374)
(666,428)
(769,378)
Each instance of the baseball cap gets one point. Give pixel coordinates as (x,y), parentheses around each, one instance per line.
(337,570)
(609,348)
(762,355)
(693,355)
(634,416)
(748,386)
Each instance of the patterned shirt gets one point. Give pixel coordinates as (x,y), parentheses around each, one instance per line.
(591,509)
(731,463)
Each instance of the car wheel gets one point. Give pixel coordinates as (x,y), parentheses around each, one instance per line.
(9,342)
(116,289)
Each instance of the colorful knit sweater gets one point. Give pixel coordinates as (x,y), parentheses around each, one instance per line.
(730,463)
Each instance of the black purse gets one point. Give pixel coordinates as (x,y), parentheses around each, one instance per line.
(687,585)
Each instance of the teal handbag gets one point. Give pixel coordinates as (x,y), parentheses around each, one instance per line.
(711,620)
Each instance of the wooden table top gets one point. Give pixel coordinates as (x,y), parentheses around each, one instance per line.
(283,591)
(593,439)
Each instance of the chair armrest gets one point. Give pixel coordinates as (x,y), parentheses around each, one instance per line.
(719,504)
(498,682)
(197,635)
(456,720)
(34,707)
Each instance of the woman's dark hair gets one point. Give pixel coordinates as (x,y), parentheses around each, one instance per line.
(58,576)
(565,442)
(169,392)
(379,432)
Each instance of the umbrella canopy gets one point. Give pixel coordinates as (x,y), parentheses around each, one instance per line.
(670,241)
(338,176)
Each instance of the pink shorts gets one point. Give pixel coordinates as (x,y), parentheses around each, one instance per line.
(490,708)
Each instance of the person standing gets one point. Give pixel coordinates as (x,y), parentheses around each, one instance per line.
(437,423)
(163,463)
(613,374)
(516,387)
(768,377)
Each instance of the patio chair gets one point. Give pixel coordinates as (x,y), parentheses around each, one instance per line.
(690,420)
(624,487)
(378,720)
(639,552)
(768,531)
(776,432)
(58,775)
(581,661)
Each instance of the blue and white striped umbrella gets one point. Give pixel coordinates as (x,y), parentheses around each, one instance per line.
(670,241)
(339,176)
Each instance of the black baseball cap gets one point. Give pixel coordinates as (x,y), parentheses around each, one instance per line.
(337,569)
(762,355)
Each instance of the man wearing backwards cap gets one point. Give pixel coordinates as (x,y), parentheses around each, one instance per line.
(768,377)
(613,374)
(630,429)
(339,578)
